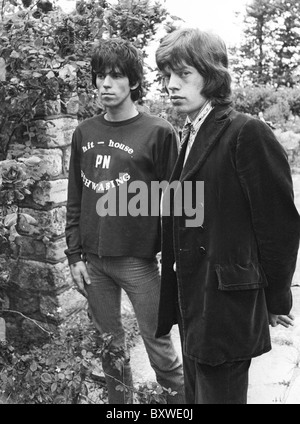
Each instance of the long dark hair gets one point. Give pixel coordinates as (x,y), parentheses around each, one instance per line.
(204,51)
(120,55)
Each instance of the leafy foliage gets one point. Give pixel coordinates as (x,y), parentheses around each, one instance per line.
(35,72)
(135,20)
(67,369)
(163,108)
(17,179)
(270,51)
(54,373)
(277,105)
(45,55)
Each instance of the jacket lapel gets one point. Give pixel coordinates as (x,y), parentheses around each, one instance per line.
(206,139)
(179,163)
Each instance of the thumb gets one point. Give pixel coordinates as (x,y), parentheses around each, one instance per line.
(273,320)
(86,277)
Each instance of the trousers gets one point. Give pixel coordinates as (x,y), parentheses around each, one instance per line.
(140,279)
(225,384)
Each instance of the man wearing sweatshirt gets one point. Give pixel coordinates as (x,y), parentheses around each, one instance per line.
(112,234)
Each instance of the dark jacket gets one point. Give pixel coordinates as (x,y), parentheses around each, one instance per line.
(239,264)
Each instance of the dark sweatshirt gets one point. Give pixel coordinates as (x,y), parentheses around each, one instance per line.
(113,168)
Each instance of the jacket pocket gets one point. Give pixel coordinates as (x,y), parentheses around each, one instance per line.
(240,277)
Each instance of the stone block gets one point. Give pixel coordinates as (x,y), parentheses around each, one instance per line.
(49,223)
(24,301)
(53,132)
(70,104)
(51,162)
(42,250)
(62,306)
(68,133)
(50,192)
(48,107)
(66,160)
(41,277)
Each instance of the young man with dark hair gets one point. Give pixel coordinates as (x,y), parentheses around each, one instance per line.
(227,279)
(113,238)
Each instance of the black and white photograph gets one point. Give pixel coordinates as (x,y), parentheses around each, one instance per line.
(149,205)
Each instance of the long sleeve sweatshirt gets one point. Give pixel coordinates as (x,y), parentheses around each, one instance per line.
(113,197)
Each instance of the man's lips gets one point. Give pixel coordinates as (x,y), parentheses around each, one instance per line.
(176,98)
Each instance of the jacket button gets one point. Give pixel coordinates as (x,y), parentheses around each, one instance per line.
(202,250)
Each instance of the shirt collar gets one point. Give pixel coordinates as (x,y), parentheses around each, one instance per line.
(203,112)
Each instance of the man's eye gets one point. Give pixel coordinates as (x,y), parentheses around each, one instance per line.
(100,76)
(184,73)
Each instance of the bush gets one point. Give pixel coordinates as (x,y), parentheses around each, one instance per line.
(54,373)
(288,139)
(67,369)
(278,113)
(277,105)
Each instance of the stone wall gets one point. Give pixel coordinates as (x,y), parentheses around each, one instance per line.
(40,286)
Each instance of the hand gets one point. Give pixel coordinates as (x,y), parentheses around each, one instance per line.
(285,320)
(80,276)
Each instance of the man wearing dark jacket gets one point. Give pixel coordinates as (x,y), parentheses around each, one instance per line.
(226,279)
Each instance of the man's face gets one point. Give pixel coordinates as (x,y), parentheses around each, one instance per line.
(114,88)
(185,86)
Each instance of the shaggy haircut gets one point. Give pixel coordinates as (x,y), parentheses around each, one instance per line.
(204,51)
(118,55)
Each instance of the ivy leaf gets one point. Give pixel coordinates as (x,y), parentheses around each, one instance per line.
(26,3)
(14,55)
(32,161)
(38,43)
(50,75)
(46,378)
(61,376)
(33,366)
(46,240)
(84,390)
(28,219)
(19,195)
(10,219)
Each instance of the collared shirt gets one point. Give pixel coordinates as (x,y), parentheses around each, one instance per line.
(195,125)
(191,129)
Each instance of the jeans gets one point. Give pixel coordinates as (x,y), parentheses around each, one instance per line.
(140,279)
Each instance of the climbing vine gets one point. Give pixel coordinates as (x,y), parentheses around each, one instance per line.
(45,54)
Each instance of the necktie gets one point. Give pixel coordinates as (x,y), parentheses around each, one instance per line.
(185,135)
(186,131)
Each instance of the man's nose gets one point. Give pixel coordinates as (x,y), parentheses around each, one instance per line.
(107,81)
(173,83)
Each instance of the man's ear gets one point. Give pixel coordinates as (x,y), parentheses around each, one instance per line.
(134,86)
